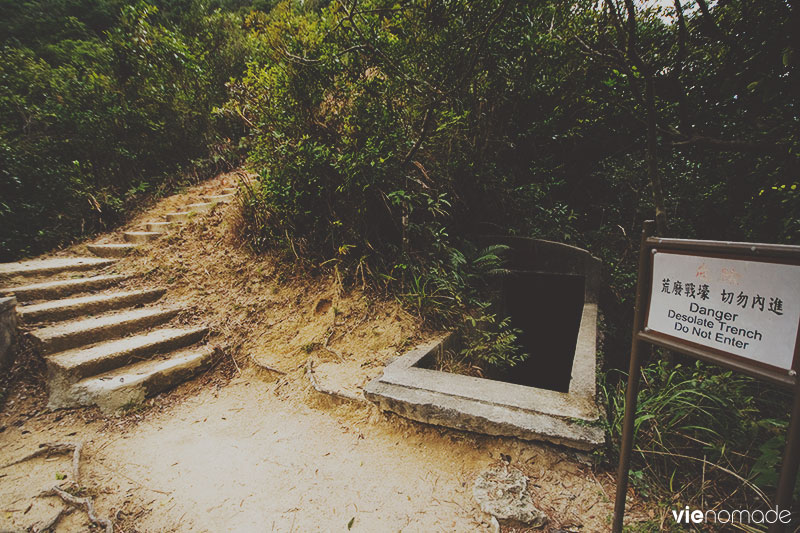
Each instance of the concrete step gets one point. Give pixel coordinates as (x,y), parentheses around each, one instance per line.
(38,267)
(181,216)
(130,385)
(219,198)
(141,237)
(205,207)
(160,227)
(57,289)
(84,332)
(86,305)
(111,250)
(64,369)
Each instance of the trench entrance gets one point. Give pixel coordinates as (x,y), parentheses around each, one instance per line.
(547,308)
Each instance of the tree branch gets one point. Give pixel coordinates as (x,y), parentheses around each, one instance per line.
(683,112)
(721,145)
(425,126)
(707,22)
(413,83)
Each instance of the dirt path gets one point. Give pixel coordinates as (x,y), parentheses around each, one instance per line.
(261,455)
(250,461)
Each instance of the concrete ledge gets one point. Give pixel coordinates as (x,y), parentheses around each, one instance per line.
(568,418)
(442,409)
(8,330)
(64,287)
(181,216)
(68,308)
(7,303)
(140,237)
(495,407)
(67,335)
(161,227)
(578,403)
(130,385)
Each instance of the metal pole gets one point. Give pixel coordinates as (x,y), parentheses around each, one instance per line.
(791,461)
(633,380)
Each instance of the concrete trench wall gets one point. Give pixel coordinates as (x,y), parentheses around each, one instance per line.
(498,408)
(547,257)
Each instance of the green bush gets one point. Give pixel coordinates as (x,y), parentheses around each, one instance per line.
(695,419)
(97,113)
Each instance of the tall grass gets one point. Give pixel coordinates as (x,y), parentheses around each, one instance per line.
(703,436)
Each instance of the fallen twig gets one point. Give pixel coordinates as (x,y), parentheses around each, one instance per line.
(310,374)
(86,503)
(266,367)
(328,340)
(76,463)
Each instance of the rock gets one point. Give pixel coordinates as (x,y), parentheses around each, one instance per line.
(503,493)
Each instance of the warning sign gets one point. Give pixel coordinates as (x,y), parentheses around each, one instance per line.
(747,308)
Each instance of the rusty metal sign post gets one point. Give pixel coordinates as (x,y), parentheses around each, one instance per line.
(733,304)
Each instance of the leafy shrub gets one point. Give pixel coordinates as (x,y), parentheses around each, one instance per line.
(694,423)
(104,110)
(388,135)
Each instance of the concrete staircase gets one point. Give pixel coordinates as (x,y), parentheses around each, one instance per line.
(155,229)
(103,345)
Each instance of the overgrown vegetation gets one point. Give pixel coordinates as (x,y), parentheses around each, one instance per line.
(103,103)
(389,135)
(703,435)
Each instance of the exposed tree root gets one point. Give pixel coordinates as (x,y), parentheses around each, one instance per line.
(268,368)
(328,348)
(86,503)
(76,463)
(50,448)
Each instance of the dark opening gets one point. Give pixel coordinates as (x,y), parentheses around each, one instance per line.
(547,308)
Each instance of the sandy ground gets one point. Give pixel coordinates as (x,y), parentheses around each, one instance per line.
(242,448)
(257,454)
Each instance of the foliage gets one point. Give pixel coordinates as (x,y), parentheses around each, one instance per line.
(391,137)
(101,103)
(457,292)
(362,115)
(695,423)
(387,136)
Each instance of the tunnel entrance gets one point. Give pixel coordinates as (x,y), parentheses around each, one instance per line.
(547,308)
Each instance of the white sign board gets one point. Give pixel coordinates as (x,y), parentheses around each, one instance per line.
(747,308)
